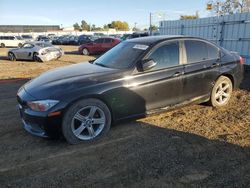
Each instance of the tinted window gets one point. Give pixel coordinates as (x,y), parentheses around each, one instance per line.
(166,55)
(99,41)
(199,51)
(122,56)
(213,52)
(27,45)
(108,40)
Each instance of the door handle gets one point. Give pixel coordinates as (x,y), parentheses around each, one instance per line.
(178,74)
(215,65)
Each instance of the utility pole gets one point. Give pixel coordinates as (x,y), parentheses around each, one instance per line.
(150,24)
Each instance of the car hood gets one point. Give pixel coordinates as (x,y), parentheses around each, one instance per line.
(56,82)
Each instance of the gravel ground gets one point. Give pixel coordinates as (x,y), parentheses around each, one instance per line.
(195,146)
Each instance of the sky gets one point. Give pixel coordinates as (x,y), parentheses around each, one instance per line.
(99,12)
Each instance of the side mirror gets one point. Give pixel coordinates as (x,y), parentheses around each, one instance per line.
(148,64)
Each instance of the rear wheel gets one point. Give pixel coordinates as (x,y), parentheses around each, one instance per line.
(86,120)
(35,57)
(2,45)
(20,45)
(11,56)
(221,92)
(85,51)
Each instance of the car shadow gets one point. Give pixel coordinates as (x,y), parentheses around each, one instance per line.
(4,58)
(246,81)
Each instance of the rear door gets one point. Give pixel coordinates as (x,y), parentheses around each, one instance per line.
(201,68)
(107,44)
(97,48)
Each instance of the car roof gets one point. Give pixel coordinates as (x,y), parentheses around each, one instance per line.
(37,42)
(156,39)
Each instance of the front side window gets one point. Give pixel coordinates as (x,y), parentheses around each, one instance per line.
(166,56)
(198,51)
(27,45)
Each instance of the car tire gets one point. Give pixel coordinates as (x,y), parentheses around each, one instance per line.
(221,92)
(36,58)
(2,45)
(85,121)
(85,51)
(11,56)
(20,45)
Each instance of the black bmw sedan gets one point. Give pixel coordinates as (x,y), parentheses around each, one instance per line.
(135,78)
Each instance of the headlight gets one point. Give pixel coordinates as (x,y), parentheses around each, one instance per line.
(42,106)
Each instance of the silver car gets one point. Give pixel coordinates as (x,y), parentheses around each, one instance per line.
(36,51)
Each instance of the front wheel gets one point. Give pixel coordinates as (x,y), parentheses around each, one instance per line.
(86,120)
(11,57)
(221,92)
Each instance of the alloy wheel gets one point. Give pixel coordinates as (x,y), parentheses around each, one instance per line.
(88,122)
(223,93)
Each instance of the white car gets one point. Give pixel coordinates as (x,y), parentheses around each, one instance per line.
(11,41)
(36,51)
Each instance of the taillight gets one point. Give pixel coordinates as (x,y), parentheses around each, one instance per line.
(241,60)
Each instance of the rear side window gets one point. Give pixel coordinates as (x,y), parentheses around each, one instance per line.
(107,40)
(198,51)
(99,41)
(166,56)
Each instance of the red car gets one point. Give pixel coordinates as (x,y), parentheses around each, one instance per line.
(98,46)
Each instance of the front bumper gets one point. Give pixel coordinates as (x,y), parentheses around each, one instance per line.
(40,125)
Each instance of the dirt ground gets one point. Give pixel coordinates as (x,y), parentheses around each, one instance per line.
(28,69)
(196,146)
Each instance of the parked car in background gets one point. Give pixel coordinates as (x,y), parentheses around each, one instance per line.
(62,40)
(27,38)
(36,51)
(42,38)
(138,35)
(11,41)
(136,78)
(99,35)
(83,39)
(98,46)
(125,37)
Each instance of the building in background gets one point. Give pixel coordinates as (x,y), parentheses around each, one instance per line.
(28,28)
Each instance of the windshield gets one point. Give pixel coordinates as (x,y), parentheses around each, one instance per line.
(121,56)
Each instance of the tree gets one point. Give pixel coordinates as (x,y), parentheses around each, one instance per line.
(190,17)
(224,7)
(76,26)
(85,26)
(153,28)
(119,25)
(105,27)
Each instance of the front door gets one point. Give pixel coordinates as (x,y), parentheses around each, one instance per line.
(160,86)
